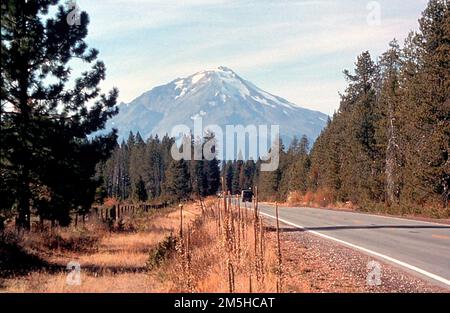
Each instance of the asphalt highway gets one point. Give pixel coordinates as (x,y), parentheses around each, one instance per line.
(422,248)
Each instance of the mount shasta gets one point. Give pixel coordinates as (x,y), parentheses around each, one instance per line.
(220,97)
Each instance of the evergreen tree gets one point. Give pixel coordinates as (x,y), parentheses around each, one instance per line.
(140,191)
(197,170)
(248,173)
(136,164)
(426,107)
(153,166)
(228,171)
(176,186)
(45,155)
(359,146)
(387,131)
(236,178)
(211,168)
(269,183)
(299,169)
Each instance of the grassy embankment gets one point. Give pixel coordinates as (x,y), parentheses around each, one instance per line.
(220,250)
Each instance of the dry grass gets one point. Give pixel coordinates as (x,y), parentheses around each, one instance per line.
(224,248)
(222,258)
(324,198)
(110,261)
(321,198)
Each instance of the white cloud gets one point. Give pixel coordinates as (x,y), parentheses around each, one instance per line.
(178,38)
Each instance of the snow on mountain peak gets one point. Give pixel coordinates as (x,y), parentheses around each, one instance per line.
(220,69)
(226,84)
(218,96)
(222,79)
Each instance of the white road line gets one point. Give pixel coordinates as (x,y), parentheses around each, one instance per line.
(368,214)
(398,262)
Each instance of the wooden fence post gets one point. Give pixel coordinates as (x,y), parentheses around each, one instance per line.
(181,220)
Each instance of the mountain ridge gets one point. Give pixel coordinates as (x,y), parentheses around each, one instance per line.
(220,97)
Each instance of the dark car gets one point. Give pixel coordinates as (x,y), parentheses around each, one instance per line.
(247,195)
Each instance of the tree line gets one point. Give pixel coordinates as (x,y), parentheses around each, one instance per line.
(141,170)
(388,144)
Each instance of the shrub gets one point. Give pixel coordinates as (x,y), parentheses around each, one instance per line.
(323,197)
(308,198)
(163,251)
(295,197)
(76,241)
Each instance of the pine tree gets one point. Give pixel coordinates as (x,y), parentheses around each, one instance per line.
(140,191)
(249,171)
(387,131)
(176,186)
(359,146)
(153,167)
(269,183)
(299,169)
(425,109)
(212,169)
(45,155)
(136,165)
(197,169)
(228,172)
(122,172)
(433,118)
(236,180)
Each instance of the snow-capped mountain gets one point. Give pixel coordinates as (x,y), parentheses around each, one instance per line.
(220,97)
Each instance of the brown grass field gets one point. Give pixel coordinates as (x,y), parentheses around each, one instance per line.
(222,248)
(214,255)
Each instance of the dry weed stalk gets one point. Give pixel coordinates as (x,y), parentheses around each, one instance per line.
(238,259)
(239,222)
(255,241)
(261,250)
(279,269)
(187,256)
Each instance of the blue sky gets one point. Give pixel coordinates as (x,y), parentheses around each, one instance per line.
(291,48)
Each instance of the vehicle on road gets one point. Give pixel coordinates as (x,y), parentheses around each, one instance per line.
(247,195)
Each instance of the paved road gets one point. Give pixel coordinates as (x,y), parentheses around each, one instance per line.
(419,247)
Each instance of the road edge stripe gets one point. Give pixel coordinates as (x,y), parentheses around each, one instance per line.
(368,214)
(388,258)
